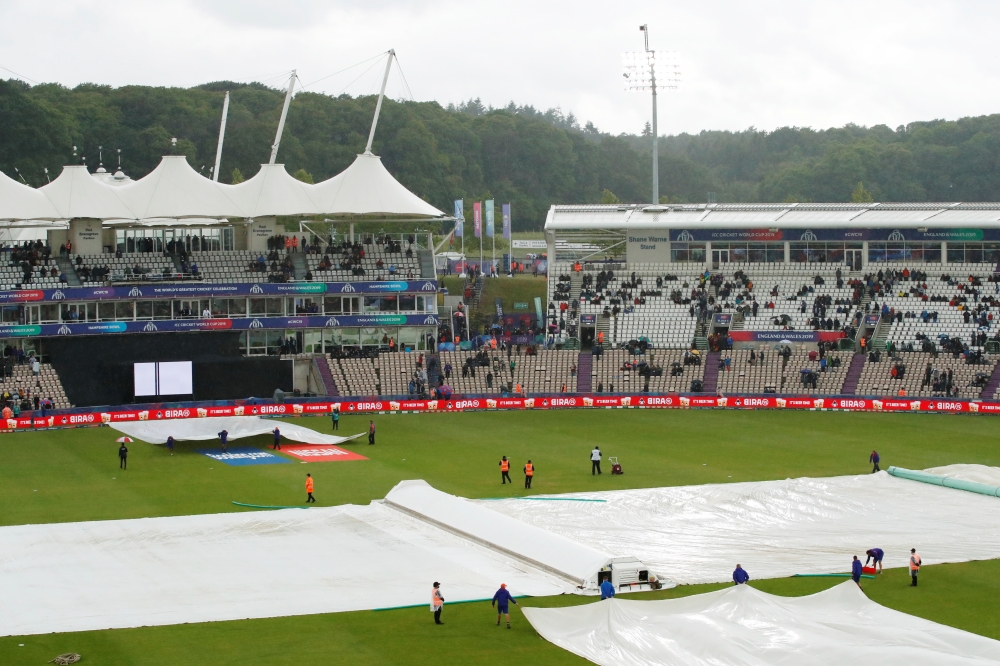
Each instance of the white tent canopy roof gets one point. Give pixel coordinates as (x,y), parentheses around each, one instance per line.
(173,189)
(20,202)
(76,194)
(367,187)
(273,192)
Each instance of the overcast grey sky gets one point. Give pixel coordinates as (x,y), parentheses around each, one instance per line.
(765,64)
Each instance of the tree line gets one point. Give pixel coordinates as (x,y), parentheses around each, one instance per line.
(529,157)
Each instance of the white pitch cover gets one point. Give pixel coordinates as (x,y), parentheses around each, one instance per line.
(208,428)
(697,534)
(742,626)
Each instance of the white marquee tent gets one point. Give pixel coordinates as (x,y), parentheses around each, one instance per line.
(273,192)
(173,189)
(20,202)
(76,195)
(367,187)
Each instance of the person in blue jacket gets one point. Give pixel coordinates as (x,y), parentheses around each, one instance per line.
(874,460)
(224,438)
(500,600)
(856,570)
(875,554)
(740,576)
(607,590)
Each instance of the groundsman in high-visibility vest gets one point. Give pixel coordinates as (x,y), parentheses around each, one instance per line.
(529,471)
(504,470)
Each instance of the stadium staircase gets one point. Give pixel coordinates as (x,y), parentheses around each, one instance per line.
(300,265)
(66,268)
(604,326)
(853,376)
(585,372)
(992,385)
(433,370)
(880,335)
(711,380)
(738,322)
(326,374)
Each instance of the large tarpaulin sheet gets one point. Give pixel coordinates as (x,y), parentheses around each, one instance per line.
(564,557)
(984,474)
(157,571)
(743,626)
(156,432)
(697,534)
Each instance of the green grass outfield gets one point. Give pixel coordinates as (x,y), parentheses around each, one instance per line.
(73,475)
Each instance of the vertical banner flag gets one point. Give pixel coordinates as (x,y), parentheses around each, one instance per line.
(505,211)
(477,218)
(489,218)
(460,217)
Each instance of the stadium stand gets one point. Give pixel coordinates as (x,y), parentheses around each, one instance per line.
(97,269)
(926,375)
(23,385)
(618,370)
(767,370)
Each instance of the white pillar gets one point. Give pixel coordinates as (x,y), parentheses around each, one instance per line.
(944,252)
(788,253)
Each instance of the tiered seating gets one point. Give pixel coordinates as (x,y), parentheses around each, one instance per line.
(658,318)
(934,295)
(395,265)
(774,373)
(609,372)
(795,284)
(544,372)
(395,371)
(357,376)
(12,275)
(151,265)
(227,267)
(477,383)
(45,385)
(877,379)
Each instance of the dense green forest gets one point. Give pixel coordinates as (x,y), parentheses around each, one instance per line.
(529,157)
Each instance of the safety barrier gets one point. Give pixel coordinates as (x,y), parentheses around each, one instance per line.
(325,406)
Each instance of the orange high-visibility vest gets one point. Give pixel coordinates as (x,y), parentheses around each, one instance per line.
(436,600)
(600,337)
(493,343)
(915,562)
(309,484)
(529,469)
(518,389)
(504,465)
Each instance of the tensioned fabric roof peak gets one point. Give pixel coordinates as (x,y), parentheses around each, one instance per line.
(21,202)
(76,194)
(173,189)
(273,192)
(367,187)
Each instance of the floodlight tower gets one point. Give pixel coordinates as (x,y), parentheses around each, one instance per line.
(641,74)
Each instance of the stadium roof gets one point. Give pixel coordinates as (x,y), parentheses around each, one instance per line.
(175,191)
(788,216)
(367,187)
(21,202)
(273,192)
(75,194)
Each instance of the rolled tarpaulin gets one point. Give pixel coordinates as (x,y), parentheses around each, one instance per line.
(946,481)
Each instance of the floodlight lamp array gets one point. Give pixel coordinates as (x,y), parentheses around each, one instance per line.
(639,68)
